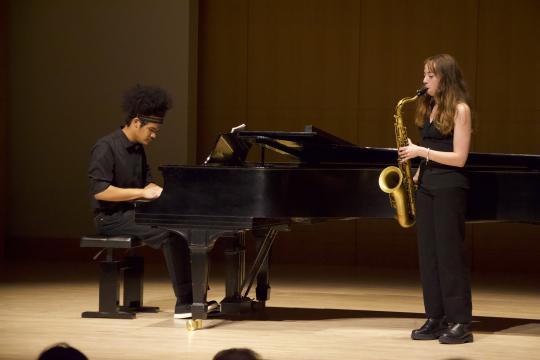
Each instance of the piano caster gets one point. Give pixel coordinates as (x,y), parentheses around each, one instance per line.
(193,325)
(258,305)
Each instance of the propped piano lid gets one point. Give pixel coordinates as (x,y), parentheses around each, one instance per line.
(315,146)
(296,140)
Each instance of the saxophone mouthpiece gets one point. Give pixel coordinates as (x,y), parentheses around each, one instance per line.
(421,92)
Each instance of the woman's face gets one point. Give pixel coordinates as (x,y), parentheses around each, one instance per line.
(431,81)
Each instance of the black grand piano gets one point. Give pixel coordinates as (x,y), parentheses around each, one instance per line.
(328,179)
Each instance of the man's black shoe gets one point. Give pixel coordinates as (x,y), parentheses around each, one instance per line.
(431,330)
(183,311)
(457,334)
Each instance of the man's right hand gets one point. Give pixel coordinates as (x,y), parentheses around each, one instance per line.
(113,193)
(151,193)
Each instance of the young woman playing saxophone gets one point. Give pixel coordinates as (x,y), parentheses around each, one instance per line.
(444,118)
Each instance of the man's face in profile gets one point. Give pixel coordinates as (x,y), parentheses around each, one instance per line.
(145,134)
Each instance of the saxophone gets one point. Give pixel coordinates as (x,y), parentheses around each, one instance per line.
(398,182)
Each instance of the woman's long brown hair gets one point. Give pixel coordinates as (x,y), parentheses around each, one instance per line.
(452,90)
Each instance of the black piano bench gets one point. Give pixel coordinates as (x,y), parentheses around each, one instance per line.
(132,268)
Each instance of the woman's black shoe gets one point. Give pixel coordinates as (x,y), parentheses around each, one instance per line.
(457,334)
(431,330)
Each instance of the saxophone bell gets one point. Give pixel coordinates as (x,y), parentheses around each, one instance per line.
(391,182)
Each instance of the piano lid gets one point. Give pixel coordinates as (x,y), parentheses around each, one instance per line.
(314,146)
(293,140)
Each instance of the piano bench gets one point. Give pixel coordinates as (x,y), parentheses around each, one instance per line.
(132,268)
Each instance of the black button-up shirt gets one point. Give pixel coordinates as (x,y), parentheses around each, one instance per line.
(118,162)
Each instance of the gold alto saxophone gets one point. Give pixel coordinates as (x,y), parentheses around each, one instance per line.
(398,182)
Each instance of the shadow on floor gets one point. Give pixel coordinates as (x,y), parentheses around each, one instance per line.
(484,324)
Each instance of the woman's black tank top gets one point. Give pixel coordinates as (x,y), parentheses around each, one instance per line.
(434,175)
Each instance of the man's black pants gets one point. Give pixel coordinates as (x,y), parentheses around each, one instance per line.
(175,248)
(444,271)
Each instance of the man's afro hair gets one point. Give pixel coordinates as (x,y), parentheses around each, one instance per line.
(145,100)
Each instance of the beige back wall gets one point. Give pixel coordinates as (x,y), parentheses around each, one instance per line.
(342,66)
(70,63)
(274,64)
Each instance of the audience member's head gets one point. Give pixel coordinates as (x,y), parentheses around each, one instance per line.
(62,351)
(237,354)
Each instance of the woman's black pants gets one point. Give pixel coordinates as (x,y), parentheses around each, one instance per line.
(440,222)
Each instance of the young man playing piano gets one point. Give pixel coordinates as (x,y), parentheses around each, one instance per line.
(119,174)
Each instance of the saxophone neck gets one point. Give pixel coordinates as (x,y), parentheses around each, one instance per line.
(407,100)
(402,103)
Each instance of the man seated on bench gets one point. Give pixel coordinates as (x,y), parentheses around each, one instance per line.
(119,174)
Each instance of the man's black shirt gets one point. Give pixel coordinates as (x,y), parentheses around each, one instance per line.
(118,162)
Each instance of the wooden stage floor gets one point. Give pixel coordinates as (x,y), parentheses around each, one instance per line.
(314,313)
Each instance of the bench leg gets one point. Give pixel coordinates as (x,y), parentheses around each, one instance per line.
(109,289)
(133,267)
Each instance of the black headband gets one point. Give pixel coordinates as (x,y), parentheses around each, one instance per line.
(151,118)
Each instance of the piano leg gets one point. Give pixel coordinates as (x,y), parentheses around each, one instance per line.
(199,279)
(200,243)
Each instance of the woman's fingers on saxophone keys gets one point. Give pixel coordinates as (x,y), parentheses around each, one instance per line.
(402,153)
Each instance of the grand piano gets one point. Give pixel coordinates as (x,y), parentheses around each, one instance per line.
(327,179)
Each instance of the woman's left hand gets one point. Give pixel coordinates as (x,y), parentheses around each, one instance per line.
(408,152)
